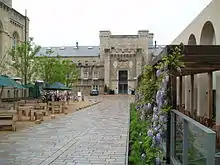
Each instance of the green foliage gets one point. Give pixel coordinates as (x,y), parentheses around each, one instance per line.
(172,61)
(148,86)
(57,70)
(139,141)
(23,58)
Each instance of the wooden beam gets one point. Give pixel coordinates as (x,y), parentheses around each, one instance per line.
(210,98)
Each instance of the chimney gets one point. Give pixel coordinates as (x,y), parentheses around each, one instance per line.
(155,44)
(77,45)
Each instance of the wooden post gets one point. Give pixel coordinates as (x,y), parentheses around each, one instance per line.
(210,99)
(180,91)
(192,94)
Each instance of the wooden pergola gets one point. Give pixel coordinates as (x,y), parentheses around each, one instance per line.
(197,59)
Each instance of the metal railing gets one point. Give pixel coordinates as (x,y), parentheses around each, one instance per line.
(191,142)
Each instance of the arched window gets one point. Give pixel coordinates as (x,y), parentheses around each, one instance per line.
(15,40)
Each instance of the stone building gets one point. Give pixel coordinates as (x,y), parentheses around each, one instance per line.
(203,30)
(116,62)
(12,31)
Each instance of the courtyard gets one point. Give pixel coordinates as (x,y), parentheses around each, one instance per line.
(95,135)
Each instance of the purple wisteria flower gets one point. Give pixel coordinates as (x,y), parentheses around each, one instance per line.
(155,110)
(158,73)
(155,117)
(158,137)
(150,133)
(158,161)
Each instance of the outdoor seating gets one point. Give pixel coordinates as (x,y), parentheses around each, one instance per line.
(24,111)
(8,118)
(55,106)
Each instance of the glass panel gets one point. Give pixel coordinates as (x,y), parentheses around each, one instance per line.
(197,140)
(178,139)
(200,141)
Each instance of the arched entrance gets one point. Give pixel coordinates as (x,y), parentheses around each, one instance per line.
(208,34)
(192,40)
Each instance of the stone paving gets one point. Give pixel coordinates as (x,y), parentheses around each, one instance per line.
(93,136)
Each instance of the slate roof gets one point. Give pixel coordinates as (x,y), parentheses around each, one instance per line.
(155,51)
(83,51)
(70,51)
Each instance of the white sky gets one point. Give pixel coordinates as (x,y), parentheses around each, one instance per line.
(63,22)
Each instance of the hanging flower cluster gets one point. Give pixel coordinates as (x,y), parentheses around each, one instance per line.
(152,104)
(157,131)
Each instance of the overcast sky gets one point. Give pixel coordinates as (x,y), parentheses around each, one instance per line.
(63,22)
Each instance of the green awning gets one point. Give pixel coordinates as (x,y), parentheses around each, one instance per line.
(29,86)
(57,86)
(5,81)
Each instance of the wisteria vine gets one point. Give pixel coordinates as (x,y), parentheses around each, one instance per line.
(153,102)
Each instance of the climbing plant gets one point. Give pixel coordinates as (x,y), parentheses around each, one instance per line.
(148,129)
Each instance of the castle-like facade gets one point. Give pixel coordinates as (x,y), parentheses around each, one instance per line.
(116,62)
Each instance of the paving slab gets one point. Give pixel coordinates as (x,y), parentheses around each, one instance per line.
(94,136)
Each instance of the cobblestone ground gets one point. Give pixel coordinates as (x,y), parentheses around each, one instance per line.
(96,135)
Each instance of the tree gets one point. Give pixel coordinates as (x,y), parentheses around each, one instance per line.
(23,58)
(57,70)
(70,72)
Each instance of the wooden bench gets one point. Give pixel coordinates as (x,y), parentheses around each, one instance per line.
(8,118)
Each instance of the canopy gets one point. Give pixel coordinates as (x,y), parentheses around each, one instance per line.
(5,81)
(57,86)
(29,86)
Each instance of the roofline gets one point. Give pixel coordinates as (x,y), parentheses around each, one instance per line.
(11,8)
(68,46)
(51,56)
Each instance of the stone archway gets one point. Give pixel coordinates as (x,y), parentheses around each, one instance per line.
(207,38)
(192,40)
(15,39)
(208,34)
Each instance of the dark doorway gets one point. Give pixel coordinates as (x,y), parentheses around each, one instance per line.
(123,82)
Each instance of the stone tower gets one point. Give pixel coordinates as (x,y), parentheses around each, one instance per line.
(7,2)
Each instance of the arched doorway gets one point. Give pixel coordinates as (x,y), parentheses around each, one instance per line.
(192,40)
(208,34)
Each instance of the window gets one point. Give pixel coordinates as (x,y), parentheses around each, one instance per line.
(15,40)
(95,75)
(95,87)
(86,74)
